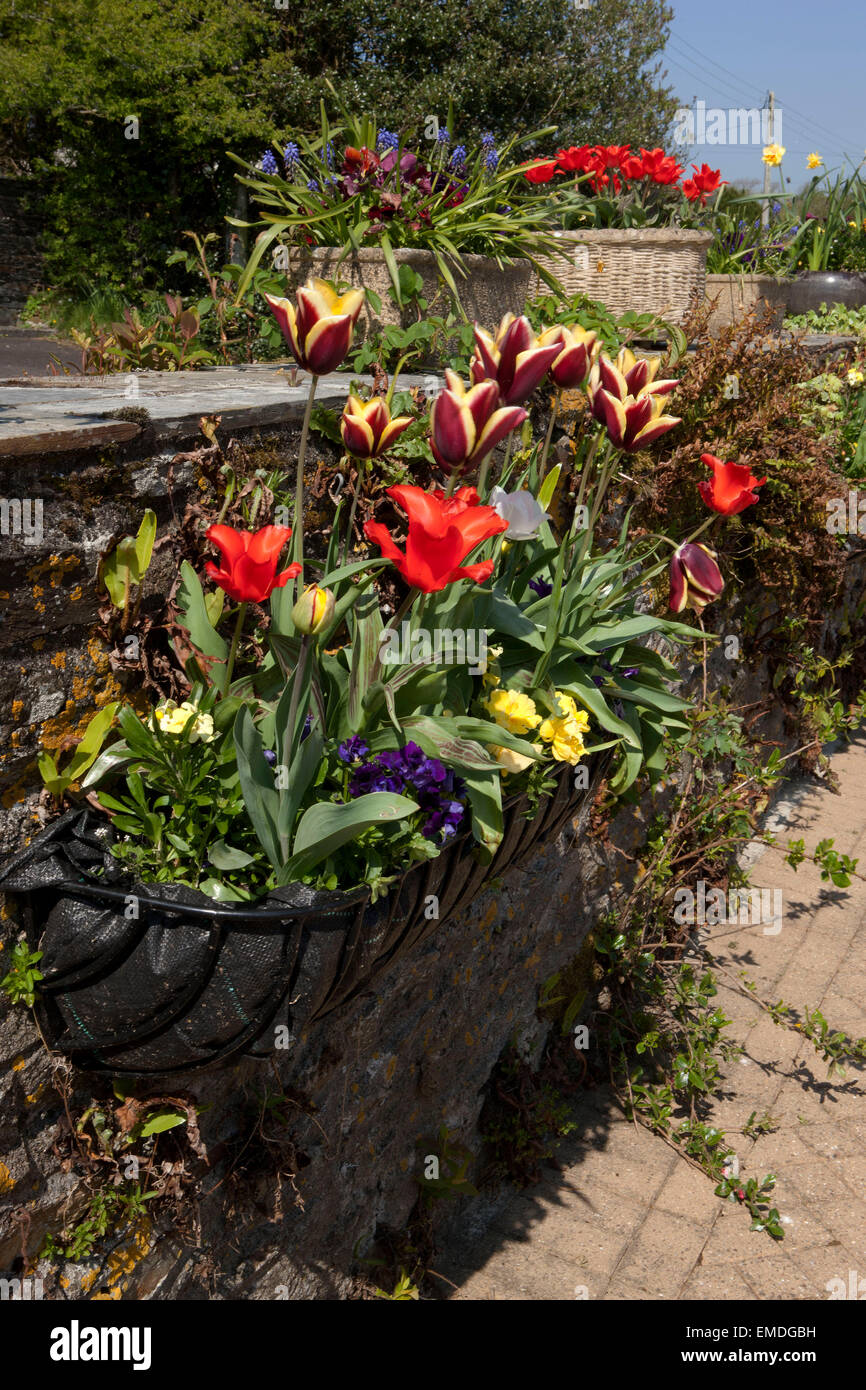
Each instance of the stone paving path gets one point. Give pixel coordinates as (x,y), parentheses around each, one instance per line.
(626,1218)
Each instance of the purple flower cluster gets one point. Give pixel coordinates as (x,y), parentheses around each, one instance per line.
(291,159)
(409,772)
(387,140)
(268,162)
(541,587)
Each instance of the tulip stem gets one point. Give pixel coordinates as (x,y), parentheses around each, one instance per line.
(347,543)
(542,467)
(300,670)
(298,535)
(392,626)
(233,650)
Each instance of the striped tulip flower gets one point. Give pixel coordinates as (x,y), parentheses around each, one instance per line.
(319,327)
(466,425)
(367,427)
(578,350)
(630,375)
(633,421)
(513,359)
(695,578)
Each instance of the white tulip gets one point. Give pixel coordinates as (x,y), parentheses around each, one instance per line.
(520,510)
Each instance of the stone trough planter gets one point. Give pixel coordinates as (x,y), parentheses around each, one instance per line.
(734,296)
(488,291)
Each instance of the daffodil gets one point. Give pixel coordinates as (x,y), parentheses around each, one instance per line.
(814,161)
(773,154)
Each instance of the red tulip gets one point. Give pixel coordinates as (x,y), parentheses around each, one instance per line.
(513,359)
(319,331)
(443,531)
(660,167)
(542,172)
(731,488)
(467,425)
(704,182)
(249,563)
(695,578)
(579,348)
(573,160)
(367,428)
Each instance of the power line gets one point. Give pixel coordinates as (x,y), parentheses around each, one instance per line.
(805,125)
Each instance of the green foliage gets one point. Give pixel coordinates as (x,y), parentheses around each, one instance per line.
(125,567)
(404,1290)
(109,1210)
(19,984)
(238,74)
(57,780)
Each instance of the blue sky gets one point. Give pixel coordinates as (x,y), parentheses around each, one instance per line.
(813,56)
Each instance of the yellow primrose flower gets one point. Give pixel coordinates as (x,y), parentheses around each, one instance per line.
(564,737)
(510,761)
(513,711)
(814,161)
(173,719)
(855,377)
(773,154)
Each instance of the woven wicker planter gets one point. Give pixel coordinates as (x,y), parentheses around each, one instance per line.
(487,292)
(650,270)
(733,296)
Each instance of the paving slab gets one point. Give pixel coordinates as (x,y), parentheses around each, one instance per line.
(634,1219)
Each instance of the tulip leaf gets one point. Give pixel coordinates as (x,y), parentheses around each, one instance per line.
(324,828)
(365,654)
(548,487)
(437,742)
(224,856)
(194,615)
(505,616)
(573,681)
(484,790)
(257,784)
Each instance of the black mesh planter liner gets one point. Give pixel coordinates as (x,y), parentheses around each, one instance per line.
(148,979)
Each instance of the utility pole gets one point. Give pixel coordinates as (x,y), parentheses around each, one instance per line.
(771,134)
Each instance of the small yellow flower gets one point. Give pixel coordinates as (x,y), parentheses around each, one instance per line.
(855,377)
(773,154)
(564,732)
(510,761)
(814,161)
(513,711)
(173,719)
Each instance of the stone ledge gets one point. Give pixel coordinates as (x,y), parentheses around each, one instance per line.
(51,415)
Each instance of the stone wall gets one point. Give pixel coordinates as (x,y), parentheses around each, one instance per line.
(311,1153)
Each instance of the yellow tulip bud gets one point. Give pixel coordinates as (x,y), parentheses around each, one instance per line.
(314,609)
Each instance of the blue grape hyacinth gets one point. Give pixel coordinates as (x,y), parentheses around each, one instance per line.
(268,163)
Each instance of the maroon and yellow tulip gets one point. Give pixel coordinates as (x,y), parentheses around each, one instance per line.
(367,427)
(579,348)
(626,399)
(695,578)
(466,425)
(319,327)
(513,359)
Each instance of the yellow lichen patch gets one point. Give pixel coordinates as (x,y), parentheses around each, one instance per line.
(7,1182)
(22,788)
(19,1064)
(17,708)
(490,916)
(391,1068)
(38,643)
(469,1039)
(124,1260)
(59,661)
(76,594)
(107,1297)
(63,1281)
(34,1096)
